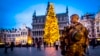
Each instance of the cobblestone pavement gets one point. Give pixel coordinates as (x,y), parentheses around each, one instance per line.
(48,51)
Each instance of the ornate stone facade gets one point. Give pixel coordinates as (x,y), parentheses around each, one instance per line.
(38,23)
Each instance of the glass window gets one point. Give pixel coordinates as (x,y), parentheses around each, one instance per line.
(22,33)
(4,35)
(18,34)
(43,20)
(62,18)
(97,29)
(98,35)
(39,20)
(34,21)
(8,35)
(13,35)
(25,33)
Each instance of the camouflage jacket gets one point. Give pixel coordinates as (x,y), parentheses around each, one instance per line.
(75,34)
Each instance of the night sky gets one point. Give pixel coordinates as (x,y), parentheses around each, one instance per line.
(15,13)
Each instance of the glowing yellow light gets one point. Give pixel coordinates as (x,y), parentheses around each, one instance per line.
(51,30)
(29,40)
(1,43)
(17,40)
(98,39)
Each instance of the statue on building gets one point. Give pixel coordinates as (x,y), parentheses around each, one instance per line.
(75,38)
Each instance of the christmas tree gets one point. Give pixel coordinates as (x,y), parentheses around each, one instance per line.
(51,30)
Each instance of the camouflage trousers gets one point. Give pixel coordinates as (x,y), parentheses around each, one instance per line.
(75,50)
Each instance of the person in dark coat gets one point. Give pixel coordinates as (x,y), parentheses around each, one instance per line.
(39,45)
(93,43)
(57,44)
(44,44)
(27,45)
(12,46)
(6,47)
(62,45)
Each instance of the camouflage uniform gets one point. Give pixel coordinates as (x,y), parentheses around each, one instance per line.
(76,40)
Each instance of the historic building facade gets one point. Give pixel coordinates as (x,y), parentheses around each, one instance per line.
(88,21)
(97,25)
(18,36)
(92,23)
(38,23)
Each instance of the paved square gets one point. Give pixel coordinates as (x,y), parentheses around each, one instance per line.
(48,51)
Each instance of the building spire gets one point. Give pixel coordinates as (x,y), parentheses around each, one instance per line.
(48,5)
(67,9)
(50,10)
(34,14)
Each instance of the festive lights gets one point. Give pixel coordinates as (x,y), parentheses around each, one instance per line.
(51,30)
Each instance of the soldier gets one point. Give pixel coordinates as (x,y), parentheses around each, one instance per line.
(76,38)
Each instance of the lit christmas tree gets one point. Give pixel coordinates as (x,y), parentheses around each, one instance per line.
(51,30)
